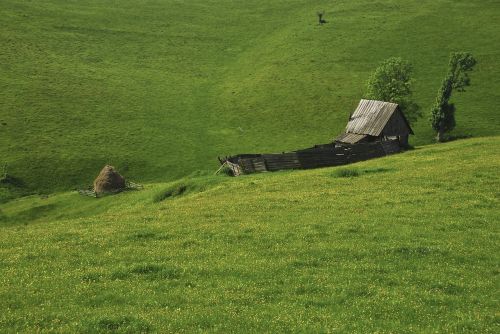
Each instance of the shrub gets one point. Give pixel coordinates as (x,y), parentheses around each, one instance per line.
(123,324)
(347,173)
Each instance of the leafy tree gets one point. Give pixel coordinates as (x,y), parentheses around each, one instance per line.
(392,82)
(443,112)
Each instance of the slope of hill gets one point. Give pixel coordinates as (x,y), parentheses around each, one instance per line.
(160,88)
(407,243)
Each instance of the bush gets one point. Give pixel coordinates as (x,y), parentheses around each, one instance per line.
(347,173)
(123,324)
(351,172)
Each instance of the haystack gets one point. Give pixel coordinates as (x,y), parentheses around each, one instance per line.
(108,180)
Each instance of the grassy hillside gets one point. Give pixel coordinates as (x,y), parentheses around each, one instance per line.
(160,88)
(410,244)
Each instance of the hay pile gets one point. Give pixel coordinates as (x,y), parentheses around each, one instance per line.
(108,180)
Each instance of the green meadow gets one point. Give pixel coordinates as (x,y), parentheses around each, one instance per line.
(159,88)
(402,244)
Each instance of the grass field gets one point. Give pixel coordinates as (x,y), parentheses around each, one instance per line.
(402,244)
(160,88)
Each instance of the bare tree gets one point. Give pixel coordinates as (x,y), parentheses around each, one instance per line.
(320,17)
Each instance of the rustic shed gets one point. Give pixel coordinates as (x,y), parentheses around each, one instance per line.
(376,121)
(375,129)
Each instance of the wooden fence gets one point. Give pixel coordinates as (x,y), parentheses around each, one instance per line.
(315,157)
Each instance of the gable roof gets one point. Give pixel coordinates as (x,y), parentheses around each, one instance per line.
(370,117)
(350,138)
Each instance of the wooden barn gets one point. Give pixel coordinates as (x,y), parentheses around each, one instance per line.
(374,130)
(376,121)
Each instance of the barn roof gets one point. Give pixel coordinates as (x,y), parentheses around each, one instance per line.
(350,138)
(370,117)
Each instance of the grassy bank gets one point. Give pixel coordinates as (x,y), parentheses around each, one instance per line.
(407,243)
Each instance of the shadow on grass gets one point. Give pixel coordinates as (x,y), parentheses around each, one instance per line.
(28,215)
(12,187)
(457,137)
(117,324)
(171,192)
(188,186)
(148,235)
(150,271)
(9,180)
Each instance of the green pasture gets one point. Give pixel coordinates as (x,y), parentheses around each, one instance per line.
(161,88)
(402,244)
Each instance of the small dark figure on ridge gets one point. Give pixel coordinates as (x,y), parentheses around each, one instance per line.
(320,18)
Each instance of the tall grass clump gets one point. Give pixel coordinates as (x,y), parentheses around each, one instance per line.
(172,191)
(347,173)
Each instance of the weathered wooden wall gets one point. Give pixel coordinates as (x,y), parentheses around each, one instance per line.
(315,157)
(397,125)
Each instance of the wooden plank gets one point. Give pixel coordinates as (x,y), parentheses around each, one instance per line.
(317,157)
